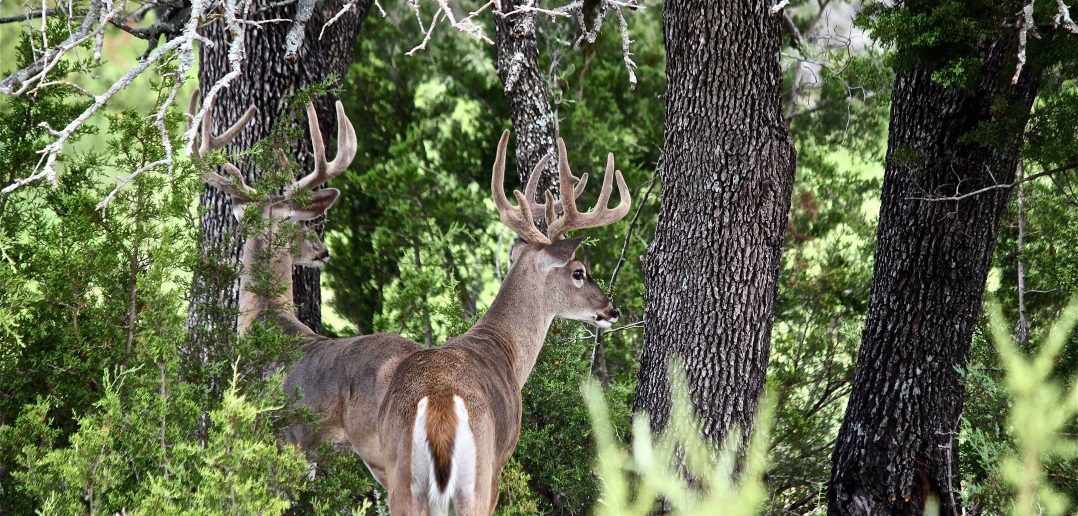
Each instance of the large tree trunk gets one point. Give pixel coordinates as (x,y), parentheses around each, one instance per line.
(534,123)
(267,82)
(727,173)
(898,443)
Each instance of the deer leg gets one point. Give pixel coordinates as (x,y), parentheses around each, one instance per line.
(495,490)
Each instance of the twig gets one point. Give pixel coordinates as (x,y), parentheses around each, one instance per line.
(123,182)
(25,77)
(426,34)
(1023,323)
(1064,168)
(635,324)
(597,349)
(32,15)
(630,66)
(628,236)
(344,9)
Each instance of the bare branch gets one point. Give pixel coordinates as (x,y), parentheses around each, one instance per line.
(32,15)
(294,38)
(1025,25)
(344,10)
(124,182)
(775,9)
(20,81)
(630,66)
(1064,18)
(528,11)
(1017,182)
(52,151)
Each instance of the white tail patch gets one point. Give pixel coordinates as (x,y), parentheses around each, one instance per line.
(461,484)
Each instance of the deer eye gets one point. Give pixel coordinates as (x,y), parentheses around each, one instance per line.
(578,274)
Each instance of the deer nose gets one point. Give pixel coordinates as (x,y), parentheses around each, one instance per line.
(324,255)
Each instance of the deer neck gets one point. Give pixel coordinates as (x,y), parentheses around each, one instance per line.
(259,258)
(519,319)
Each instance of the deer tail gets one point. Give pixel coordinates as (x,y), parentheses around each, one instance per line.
(443,452)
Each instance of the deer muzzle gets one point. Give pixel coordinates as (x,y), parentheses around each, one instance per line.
(607,317)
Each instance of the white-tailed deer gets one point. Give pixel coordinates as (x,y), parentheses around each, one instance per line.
(451,418)
(344,380)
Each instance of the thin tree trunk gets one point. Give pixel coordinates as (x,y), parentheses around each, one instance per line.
(526,90)
(268,82)
(727,174)
(898,442)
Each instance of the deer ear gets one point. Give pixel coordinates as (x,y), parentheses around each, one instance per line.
(321,200)
(559,254)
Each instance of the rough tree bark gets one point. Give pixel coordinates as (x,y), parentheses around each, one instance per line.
(727,174)
(268,82)
(898,442)
(526,90)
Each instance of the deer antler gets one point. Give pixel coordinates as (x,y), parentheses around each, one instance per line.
(519,218)
(600,215)
(561,215)
(551,208)
(237,188)
(346,150)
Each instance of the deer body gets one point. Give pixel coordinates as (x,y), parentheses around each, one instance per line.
(451,417)
(483,370)
(434,426)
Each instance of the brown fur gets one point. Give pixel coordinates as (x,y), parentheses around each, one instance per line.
(486,367)
(441,428)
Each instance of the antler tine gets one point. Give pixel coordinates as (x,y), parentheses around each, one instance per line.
(347,145)
(518,218)
(538,209)
(549,208)
(237,187)
(600,215)
(209,141)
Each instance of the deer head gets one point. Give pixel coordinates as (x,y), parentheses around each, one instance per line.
(547,260)
(306,247)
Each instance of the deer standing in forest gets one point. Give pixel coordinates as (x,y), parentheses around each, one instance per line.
(342,380)
(451,417)
(434,426)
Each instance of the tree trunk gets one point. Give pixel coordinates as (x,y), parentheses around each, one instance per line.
(898,442)
(534,123)
(268,81)
(727,174)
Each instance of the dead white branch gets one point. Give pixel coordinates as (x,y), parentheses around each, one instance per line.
(1064,18)
(52,151)
(344,10)
(1025,24)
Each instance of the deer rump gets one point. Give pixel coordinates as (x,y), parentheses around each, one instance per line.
(443,452)
(447,425)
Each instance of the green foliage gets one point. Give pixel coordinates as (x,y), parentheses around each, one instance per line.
(1042,412)
(655,470)
(942,36)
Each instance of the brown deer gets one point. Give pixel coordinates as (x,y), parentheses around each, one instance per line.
(342,380)
(451,417)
